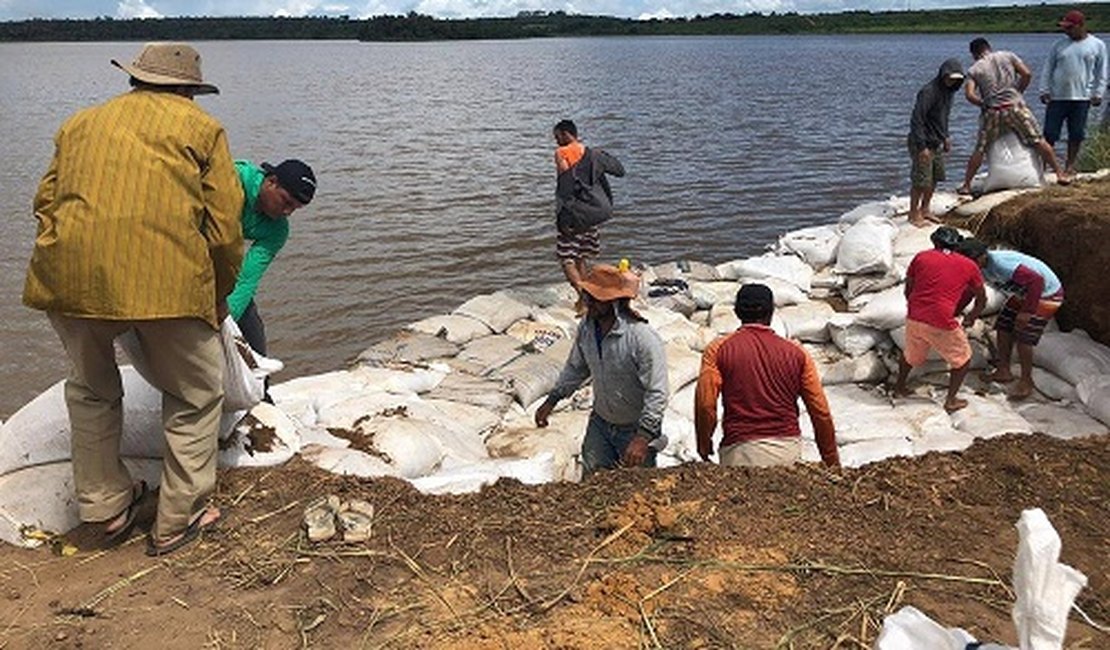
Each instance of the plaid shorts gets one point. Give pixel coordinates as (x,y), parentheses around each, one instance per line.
(926,176)
(993,122)
(579,246)
(1031,333)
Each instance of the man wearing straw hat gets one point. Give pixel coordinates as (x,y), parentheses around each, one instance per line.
(624,356)
(138,229)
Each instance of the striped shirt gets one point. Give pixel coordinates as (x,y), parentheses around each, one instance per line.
(138,213)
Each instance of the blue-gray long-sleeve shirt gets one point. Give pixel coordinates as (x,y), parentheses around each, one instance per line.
(629,370)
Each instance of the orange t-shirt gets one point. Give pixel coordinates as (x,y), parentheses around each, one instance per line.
(567,156)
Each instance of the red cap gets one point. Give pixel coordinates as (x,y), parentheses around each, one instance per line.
(1073,18)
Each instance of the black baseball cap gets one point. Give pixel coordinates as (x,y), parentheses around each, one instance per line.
(296,177)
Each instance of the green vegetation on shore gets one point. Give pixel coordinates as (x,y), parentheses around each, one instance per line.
(416,27)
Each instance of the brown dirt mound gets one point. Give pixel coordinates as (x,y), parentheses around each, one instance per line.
(1069,229)
(697,556)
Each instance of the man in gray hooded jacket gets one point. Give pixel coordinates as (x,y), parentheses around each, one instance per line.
(928,137)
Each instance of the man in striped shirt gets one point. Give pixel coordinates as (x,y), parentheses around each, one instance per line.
(138,229)
(760,377)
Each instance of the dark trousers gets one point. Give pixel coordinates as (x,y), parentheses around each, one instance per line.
(254,331)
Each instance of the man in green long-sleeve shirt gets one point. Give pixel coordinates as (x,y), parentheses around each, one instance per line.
(271,194)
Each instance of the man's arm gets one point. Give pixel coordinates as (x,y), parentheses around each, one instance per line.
(258,258)
(1101,75)
(607,163)
(921,107)
(1033,283)
(813,396)
(706,393)
(971,92)
(223,199)
(574,373)
(651,364)
(980,294)
(48,188)
(1025,75)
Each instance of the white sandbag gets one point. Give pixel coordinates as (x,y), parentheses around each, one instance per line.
(989,416)
(1053,387)
(521,438)
(488,393)
(816,245)
(871,209)
(1073,355)
(723,319)
(538,335)
(346,461)
(945,202)
(1060,421)
(853,339)
(472,477)
(39,431)
(1094,392)
(683,365)
(491,352)
(658,316)
(885,311)
(543,297)
(532,376)
(42,497)
(910,240)
(858,454)
(400,441)
(401,378)
(941,442)
(455,328)
(687,334)
(1044,588)
(407,347)
(1012,164)
(910,629)
(859,284)
(808,321)
(867,247)
(303,397)
(834,367)
(496,310)
(563,316)
(784,267)
(708,294)
(265,436)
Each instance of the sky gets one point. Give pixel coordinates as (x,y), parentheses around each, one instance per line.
(24,9)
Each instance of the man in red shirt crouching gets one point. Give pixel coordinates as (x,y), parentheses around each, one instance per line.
(760,377)
(936,283)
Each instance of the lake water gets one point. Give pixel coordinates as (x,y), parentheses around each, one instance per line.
(434,161)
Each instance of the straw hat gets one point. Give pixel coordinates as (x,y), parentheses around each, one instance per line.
(607,283)
(168,64)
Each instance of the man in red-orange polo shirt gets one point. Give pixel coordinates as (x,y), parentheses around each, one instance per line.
(760,376)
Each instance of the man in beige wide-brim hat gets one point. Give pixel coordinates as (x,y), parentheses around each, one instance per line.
(138,230)
(625,357)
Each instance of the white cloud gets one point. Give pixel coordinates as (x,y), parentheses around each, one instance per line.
(657,14)
(136,9)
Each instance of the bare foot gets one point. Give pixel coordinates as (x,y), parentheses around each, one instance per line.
(1022,391)
(1063,179)
(964,189)
(919,222)
(954,405)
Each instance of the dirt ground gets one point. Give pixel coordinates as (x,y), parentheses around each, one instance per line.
(692,557)
(1068,228)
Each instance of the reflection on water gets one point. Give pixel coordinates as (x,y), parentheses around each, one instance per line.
(435,160)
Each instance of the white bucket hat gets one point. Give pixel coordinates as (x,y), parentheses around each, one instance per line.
(168,64)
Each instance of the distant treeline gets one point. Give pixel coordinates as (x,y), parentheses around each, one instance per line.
(536,24)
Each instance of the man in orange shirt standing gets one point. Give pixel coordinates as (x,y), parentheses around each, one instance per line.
(580,187)
(760,377)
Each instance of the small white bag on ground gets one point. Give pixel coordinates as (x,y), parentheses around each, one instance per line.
(816,245)
(1012,165)
(1044,588)
(910,629)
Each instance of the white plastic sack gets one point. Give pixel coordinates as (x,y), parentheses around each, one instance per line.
(910,629)
(1073,355)
(989,416)
(808,321)
(859,284)
(496,310)
(1044,588)
(885,311)
(265,436)
(784,267)
(491,352)
(1012,164)
(535,470)
(867,247)
(1094,392)
(853,339)
(683,365)
(521,438)
(1060,421)
(455,328)
(880,209)
(532,376)
(816,245)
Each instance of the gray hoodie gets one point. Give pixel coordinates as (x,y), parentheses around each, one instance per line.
(929,123)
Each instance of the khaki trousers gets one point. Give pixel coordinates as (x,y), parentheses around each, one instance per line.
(186,364)
(764,452)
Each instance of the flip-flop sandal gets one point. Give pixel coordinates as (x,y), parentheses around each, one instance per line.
(319,518)
(356,517)
(189,535)
(121,534)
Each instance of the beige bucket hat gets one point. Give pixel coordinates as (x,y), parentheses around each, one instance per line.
(168,64)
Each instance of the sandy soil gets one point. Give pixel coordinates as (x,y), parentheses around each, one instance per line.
(693,557)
